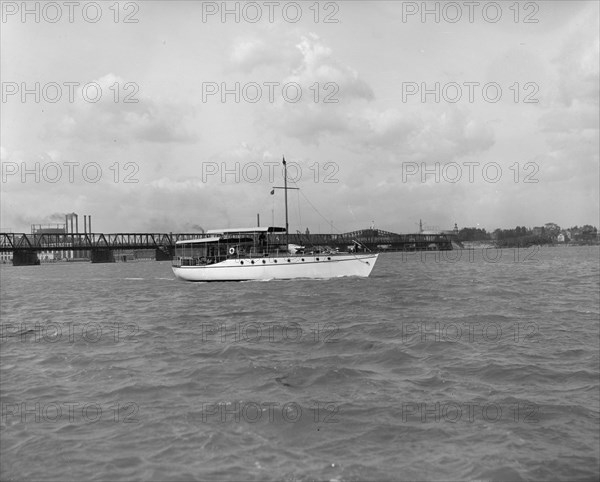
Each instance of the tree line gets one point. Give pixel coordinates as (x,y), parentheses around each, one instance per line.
(549,233)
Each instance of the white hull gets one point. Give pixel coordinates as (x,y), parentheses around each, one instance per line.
(291,267)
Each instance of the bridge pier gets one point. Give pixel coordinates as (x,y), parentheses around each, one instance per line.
(26,257)
(164,253)
(104,255)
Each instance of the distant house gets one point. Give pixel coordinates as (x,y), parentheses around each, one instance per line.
(560,238)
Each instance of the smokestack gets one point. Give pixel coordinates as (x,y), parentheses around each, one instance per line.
(257,220)
(90,221)
(84,224)
(66,223)
(71,216)
(76,224)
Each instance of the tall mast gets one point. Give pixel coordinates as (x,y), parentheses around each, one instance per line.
(285,188)
(286,204)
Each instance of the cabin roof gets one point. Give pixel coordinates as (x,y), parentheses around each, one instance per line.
(199,240)
(217,239)
(263,229)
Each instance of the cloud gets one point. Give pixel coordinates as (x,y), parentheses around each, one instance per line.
(441,131)
(572,122)
(248,55)
(441,134)
(578,63)
(318,64)
(305,61)
(574,107)
(167,184)
(320,89)
(122,114)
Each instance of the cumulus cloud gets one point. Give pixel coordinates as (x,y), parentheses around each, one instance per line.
(347,116)
(434,135)
(251,54)
(318,64)
(329,90)
(574,108)
(578,63)
(325,86)
(121,113)
(572,122)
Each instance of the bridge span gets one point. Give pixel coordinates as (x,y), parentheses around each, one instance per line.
(25,247)
(99,247)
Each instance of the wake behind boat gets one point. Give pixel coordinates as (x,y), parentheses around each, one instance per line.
(262,254)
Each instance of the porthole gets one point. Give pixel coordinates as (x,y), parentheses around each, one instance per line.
(317,259)
(241,262)
(289,260)
(275,261)
(302,259)
(264,261)
(328,258)
(252,262)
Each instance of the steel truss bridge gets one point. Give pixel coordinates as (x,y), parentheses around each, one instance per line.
(90,241)
(377,240)
(100,247)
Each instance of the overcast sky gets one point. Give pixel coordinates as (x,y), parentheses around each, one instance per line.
(388,115)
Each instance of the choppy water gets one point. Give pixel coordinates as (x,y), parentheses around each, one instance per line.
(433,370)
